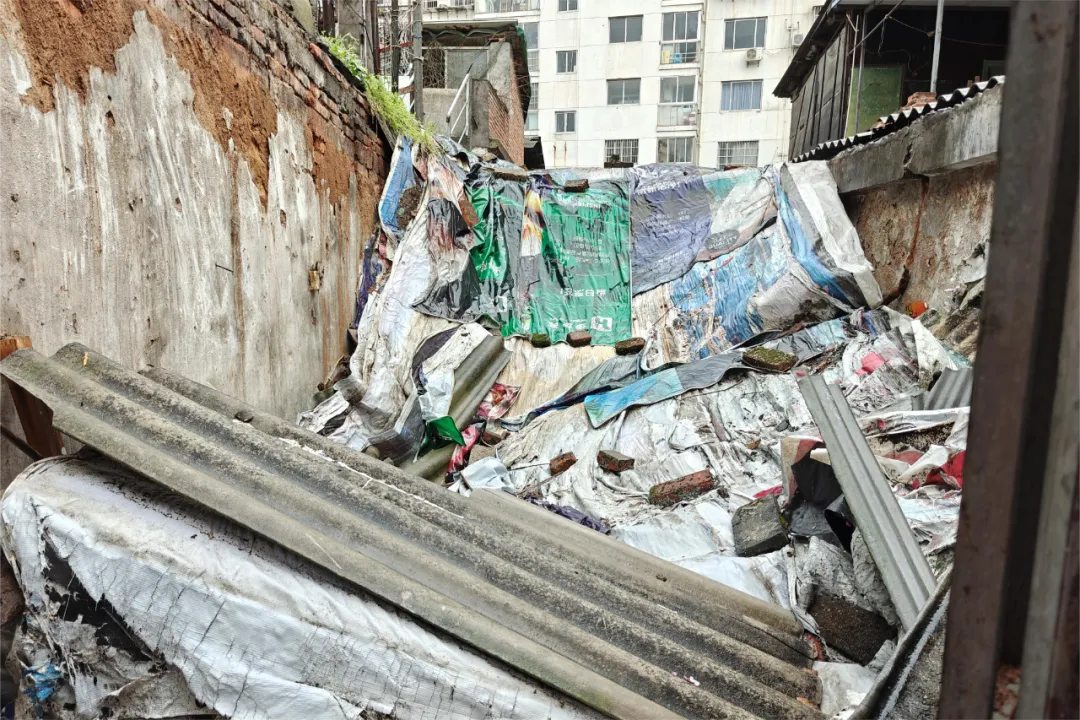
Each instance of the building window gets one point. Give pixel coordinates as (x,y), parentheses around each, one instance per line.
(567,5)
(566,61)
(624,92)
(745,33)
(532,117)
(675,150)
(506,6)
(624,29)
(740,95)
(566,122)
(680,38)
(530,30)
(737,154)
(621,151)
(677,96)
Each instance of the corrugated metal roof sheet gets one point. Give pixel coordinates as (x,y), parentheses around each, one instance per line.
(899,119)
(609,626)
(951,390)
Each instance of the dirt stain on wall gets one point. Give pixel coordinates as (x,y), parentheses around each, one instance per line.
(65,38)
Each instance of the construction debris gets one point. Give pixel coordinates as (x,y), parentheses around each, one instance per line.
(614,461)
(561,463)
(684,489)
(757,528)
(769,360)
(630,347)
(579,338)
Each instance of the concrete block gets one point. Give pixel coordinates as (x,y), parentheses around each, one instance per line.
(493,434)
(561,463)
(757,528)
(630,347)
(579,338)
(540,340)
(684,489)
(613,461)
(510,173)
(576,185)
(855,632)
(768,360)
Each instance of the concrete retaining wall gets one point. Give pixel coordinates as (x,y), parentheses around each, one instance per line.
(173,169)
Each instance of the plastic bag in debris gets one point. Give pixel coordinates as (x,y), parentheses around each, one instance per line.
(573,515)
(227,610)
(400,178)
(843,685)
(807,267)
(681,215)
(530,257)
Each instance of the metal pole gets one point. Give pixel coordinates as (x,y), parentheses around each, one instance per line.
(858,92)
(937,44)
(855,38)
(395,46)
(418,61)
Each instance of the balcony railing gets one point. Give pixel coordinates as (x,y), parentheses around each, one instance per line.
(677,115)
(505,6)
(678,53)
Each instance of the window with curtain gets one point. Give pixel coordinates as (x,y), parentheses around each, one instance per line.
(566,121)
(624,92)
(680,38)
(623,151)
(737,154)
(566,61)
(740,95)
(744,33)
(675,150)
(624,29)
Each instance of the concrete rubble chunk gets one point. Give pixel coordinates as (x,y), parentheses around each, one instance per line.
(493,434)
(630,347)
(561,463)
(579,185)
(613,461)
(540,340)
(757,528)
(684,489)
(510,172)
(854,632)
(769,360)
(579,338)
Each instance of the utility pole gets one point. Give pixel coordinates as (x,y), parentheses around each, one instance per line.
(937,44)
(395,46)
(418,60)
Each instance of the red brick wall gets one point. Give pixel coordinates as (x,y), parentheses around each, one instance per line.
(507,125)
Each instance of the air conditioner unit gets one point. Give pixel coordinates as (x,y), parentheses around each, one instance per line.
(797,39)
(754,55)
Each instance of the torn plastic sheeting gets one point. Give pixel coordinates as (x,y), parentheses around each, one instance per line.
(661,385)
(400,177)
(807,267)
(498,401)
(573,515)
(681,215)
(540,260)
(203,595)
(843,685)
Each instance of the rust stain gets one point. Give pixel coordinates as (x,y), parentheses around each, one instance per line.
(65,38)
(331,165)
(238,283)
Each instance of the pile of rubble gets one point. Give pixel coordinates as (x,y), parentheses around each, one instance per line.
(695,364)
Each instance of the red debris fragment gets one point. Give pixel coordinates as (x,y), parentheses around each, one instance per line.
(613,461)
(685,488)
(561,463)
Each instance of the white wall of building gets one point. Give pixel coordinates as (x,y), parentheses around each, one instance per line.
(584,91)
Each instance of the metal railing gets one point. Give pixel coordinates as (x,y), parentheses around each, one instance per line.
(463,111)
(675,115)
(678,53)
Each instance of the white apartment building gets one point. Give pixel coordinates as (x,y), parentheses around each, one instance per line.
(644,81)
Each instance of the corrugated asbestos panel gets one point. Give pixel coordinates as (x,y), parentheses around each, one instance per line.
(906,574)
(952,390)
(899,119)
(607,625)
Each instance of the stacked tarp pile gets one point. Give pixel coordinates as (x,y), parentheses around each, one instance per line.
(651,322)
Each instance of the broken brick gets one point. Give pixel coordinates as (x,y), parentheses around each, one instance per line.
(769,360)
(757,528)
(630,347)
(579,185)
(613,461)
(540,340)
(493,434)
(579,338)
(561,463)
(684,489)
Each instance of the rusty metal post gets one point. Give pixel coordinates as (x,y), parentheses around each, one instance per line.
(1016,372)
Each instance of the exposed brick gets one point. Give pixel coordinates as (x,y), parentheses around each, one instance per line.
(684,489)
(613,461)
(561,463)
(494,434)
(630,347)
(258,35)
(769,360)
(322,110)
(235,14)
(579,338)
(277,68)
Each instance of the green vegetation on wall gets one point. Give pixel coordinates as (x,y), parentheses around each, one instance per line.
(386,104)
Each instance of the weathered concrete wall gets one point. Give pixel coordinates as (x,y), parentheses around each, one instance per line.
(922,201)
(172,170)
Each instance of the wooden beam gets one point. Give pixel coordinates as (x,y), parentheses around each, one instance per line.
(35,416)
